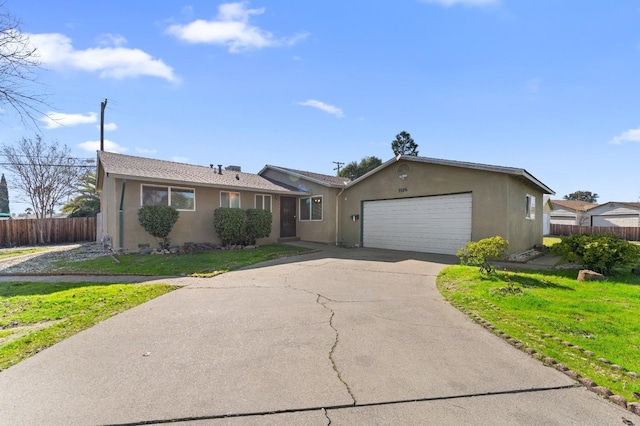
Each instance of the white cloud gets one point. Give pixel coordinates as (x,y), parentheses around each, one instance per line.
(231,28)
(53,120)
(631,135)
(109,127)
(330,109)
(180,159)
(448,3)
(93,146)
(57,52)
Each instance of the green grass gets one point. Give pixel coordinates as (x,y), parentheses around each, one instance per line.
(35,316)
(204,263)
(550,241)
(18,252)
(601,317)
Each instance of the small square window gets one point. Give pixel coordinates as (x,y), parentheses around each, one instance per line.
(230,199)
(311,208)
(263,202)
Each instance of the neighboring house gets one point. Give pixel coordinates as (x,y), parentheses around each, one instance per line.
(615,214)
(408,203)
(570,212)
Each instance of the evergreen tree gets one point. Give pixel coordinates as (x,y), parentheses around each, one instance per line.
(403,144)
(4,196)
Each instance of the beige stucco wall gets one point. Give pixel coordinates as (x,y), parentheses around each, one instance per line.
(192,226)
(498,199)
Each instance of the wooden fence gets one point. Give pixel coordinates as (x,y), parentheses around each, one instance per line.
(24,232)
(626,233)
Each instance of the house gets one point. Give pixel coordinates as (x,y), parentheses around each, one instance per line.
(570,212)
(615,214)
(407,203)
(125,183)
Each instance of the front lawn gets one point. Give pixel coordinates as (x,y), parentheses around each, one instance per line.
(34,316)
(593,328)
(203,263)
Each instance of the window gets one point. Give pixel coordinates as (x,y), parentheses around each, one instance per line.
(230,199)
(530,212)
(178,198)
(311,208)
(263,202)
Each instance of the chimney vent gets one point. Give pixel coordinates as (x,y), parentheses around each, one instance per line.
(219,169)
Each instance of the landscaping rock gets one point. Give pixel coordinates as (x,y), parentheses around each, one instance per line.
(602,391)
(619,400)
(633,374)
(588,383)
(634,407)
(572,374)
(587,275)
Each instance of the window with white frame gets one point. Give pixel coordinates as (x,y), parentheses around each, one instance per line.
(530,212)
(263,202)
(178,198)
(230,199)
(311,208)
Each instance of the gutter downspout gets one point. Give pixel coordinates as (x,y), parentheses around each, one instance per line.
(337,211)
(121,215)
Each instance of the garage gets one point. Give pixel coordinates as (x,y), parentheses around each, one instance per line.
(434,224)
(615,220)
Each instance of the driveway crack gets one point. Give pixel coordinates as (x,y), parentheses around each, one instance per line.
(321,300)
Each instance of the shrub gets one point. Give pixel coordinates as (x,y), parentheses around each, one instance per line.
(229,224)
(158,221)
(598,252)
(258,224)
(479,253)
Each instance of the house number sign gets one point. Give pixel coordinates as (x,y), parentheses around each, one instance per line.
(402,189)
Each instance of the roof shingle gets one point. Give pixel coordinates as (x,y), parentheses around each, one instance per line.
(171,172)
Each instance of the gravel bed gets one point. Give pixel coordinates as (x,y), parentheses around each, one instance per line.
(45,261)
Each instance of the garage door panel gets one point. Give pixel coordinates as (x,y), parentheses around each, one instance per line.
(616,220)
(439,224)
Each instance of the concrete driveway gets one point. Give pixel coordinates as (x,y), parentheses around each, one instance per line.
(340,337)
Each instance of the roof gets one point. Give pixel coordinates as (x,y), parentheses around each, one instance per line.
(631,205)
(576,205)
(521,174)
(326,180)
(169,172)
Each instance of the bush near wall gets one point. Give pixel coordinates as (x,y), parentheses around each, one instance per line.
(235,226)
(258,224)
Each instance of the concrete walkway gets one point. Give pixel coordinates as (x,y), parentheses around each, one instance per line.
(339,336)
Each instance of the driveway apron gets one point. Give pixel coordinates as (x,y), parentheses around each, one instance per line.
(335,337)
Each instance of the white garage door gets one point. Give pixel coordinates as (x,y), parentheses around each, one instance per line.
(615,220)
(440,224)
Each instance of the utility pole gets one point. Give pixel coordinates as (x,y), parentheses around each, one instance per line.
(338,165)
(103,105)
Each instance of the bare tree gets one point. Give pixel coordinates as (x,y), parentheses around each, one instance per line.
(46,173)
(18,61)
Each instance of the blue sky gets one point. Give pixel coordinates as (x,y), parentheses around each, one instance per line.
(549,86)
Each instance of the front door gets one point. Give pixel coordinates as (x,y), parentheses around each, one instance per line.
(287,217)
